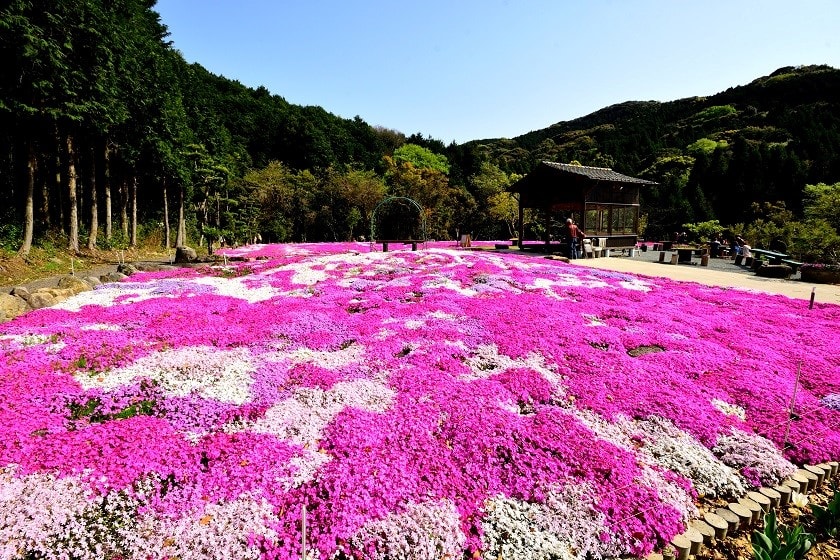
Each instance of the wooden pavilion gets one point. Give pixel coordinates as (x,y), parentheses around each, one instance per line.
(604,203)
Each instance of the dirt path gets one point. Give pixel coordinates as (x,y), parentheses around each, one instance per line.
(823,293)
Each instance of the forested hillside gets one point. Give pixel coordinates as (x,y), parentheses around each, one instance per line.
(109,136)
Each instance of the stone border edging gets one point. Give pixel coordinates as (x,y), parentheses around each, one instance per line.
(742,515)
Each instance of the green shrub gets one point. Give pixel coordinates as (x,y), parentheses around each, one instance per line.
(703,231)
(11,232)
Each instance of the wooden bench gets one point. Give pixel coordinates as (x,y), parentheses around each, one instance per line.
(386,242)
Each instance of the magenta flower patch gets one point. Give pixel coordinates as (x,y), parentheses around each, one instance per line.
(409,404)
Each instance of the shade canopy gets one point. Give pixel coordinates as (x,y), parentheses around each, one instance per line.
(604,202)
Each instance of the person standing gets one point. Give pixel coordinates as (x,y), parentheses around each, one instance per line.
(573,236)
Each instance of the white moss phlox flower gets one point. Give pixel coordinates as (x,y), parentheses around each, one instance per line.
(566,526)
(239,288)
(729,409)
(486,362)
(52,518)
(219,531)
(427,530)
(327,359)
(223,375)
(741,450)
(302,418)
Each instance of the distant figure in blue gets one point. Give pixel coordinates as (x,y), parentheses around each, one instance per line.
(573,236)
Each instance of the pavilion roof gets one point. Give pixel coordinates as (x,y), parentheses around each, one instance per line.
(595,173)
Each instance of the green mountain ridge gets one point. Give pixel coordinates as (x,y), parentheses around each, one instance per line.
(713,156)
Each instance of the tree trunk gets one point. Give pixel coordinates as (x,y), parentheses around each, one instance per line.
(107,193)
(134,212)
(29,211)
(72,201)
(165,216)
(124,208)
(181,238)
(44,208)
(59,186)
(94,207)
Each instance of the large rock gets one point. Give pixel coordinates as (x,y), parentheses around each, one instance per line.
(74,283)
(152,267)
(12,306)
(93,281)
(21,292)
(185,254)
(126,268)
(46,297)
(112,277)
(41,299)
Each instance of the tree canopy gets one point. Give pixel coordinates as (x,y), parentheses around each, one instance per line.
(90,135)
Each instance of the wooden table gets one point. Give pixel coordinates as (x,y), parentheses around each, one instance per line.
(386,242)
(685,252)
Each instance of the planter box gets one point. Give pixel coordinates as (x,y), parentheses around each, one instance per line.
(820,276)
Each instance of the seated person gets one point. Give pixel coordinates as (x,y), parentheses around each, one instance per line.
(715,248)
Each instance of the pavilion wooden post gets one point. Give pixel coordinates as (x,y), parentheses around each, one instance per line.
(547,218)
(521,222)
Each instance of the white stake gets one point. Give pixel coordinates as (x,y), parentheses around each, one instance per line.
(303,530)
(792,405)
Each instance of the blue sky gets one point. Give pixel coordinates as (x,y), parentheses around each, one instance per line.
(469,69)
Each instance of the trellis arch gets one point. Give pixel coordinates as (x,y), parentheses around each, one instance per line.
(384,203)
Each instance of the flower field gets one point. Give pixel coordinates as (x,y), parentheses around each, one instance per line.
(432,404)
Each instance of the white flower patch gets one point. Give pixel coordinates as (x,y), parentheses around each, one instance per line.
(443,316)
(486,362)
(669,493)
(729,409)
(442,282)
(567,526)
(52,345)
(302,418)
(304,467)
(219,531)
(47,517)
(658,442)
(594,321)
(635,284)
(327,359)
(744,450)
(510,406)
(223,375)
(306,273)
(423,531)
(568,281)
(105,296)
(419,323)
(676,450)
(239,288)
(384,334)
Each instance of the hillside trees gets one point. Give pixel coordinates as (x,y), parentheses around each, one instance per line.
(421,175)
(75,73)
